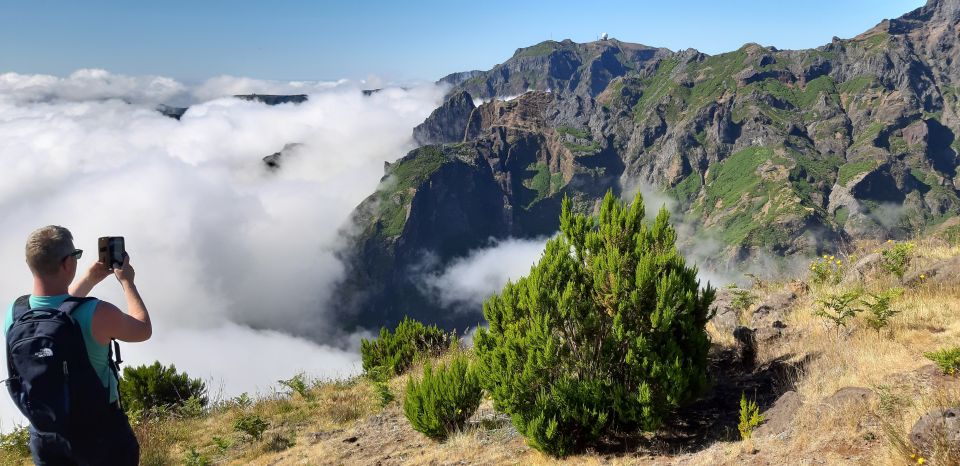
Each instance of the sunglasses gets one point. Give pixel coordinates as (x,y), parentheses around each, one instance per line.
(76,253)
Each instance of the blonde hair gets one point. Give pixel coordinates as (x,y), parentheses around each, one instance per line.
(46,249)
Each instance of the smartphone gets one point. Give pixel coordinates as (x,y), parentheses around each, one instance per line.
(111,250)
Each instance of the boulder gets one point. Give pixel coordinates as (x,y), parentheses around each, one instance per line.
(725,318)
(779,417)
(944,272)
(770,332)
(847,396)
(938,430)
(774,308)
(863,268)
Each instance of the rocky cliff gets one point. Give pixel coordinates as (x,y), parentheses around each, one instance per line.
(763,150)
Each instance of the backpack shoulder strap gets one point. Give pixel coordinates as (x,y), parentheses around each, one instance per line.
(73,303)
(21,306)
(114,361)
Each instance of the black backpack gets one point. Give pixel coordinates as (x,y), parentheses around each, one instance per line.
(50,377)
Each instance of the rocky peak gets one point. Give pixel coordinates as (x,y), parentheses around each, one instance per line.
(564,67)
(525,113)
(936,11)
(447,123)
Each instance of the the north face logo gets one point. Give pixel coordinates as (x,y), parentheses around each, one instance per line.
(44,353)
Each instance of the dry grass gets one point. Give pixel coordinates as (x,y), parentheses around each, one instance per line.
(344,423)
(861,357)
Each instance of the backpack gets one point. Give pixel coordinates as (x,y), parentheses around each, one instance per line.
(51,379)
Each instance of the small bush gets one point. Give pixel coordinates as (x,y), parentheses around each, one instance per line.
(948,359)
(146,388)
(750,417)
(222,444)
(195,458)
(826,269)
(298,384)
(191,408)
(251,424)
(243,401)
(16,442)
(838,308)
(878,308)
(384,395)
(607,330)
(395,352)
(896,259)
(442,401)
(743,299)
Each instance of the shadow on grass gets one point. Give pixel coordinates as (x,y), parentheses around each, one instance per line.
(713,417)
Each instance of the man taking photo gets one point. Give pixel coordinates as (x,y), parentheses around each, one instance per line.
(60,367)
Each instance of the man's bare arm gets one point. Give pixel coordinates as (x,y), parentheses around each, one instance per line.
(110,322)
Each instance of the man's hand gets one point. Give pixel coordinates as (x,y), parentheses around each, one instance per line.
(97,272)
(94,275)
(125,273)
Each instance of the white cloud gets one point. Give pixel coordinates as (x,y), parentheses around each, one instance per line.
(221,245)
(89,84)
(223,86)
(468,281)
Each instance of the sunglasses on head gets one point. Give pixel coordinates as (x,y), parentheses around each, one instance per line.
(76,253)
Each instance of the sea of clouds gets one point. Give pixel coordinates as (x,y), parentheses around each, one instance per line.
(235,262)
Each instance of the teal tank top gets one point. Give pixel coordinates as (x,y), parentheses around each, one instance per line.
(97,353)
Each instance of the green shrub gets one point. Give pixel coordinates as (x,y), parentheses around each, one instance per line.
(826,269)
(838,308)
(440,403)
(158,388)
(948,359)
(742,301)
(298,384)
(192,407)
(16,442)
(878,307)
(195,458)
(251,424)
(606,331)
(223,444)
(243,401)
(896,259)
(396,351)
(750,417)
(383,393)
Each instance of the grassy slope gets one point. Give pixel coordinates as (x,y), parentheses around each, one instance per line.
(344,423)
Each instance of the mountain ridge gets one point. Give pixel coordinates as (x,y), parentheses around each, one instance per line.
(762,150)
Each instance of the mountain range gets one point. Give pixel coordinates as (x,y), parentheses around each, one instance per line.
(763,151)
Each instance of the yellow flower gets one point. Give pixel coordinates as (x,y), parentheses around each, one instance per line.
(920,460)
(889,241)
(832,258)
(839,262)
(923,277)
(824,256)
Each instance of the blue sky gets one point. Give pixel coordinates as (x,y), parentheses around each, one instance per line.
(395,40)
